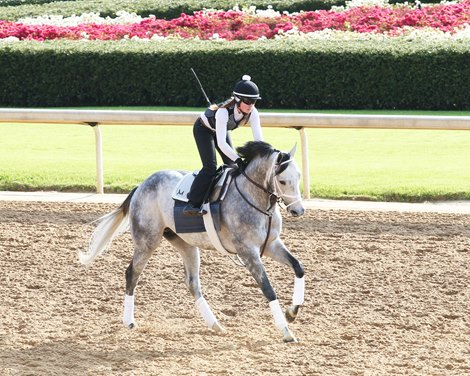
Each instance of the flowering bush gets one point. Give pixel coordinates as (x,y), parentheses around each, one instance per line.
(451,18)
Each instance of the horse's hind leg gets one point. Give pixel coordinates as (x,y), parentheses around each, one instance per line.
(142,253)
(191,261)
(278,252)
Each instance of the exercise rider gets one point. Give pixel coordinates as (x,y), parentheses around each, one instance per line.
(211,132)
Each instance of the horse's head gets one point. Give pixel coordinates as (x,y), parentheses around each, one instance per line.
(281,174)
(287,182)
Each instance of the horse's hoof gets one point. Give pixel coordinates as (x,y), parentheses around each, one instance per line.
(129,325)
(288,336)
(218,328)
(290,340)
(291,313)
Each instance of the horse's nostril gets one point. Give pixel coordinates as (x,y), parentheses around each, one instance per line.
(297,213)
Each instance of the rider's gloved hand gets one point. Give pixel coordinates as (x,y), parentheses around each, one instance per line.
(240,163)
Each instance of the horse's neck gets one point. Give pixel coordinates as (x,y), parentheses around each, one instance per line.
(262,175)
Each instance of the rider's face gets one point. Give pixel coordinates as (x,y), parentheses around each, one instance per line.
(246,107)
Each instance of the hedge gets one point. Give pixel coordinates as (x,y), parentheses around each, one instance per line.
(159,8)
(15,9)
(6,3)
(291,74)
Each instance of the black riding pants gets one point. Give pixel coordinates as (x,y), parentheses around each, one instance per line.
(206,142)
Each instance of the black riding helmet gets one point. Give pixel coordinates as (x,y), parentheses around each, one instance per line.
(246,89)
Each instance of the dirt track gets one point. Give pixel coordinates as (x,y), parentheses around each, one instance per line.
(386,294)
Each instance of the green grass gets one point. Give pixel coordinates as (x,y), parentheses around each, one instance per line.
(387,165)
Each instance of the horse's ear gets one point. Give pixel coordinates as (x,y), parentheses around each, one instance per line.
(282,162)
(292,151)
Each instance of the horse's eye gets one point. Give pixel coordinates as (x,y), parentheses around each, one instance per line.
(283,182)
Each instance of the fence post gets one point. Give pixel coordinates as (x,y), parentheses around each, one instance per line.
(305,164)
(99,158)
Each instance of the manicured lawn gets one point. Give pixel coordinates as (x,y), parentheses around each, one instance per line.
(400,165)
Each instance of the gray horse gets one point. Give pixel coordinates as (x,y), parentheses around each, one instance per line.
(250,227)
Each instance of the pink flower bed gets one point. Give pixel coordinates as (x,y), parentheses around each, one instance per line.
(236,25)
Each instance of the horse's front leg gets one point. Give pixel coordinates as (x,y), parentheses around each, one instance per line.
(257,270)
(278,252)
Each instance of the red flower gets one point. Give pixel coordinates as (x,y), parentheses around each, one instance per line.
(235,25)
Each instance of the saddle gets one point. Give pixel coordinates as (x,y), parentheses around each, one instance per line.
(217,192)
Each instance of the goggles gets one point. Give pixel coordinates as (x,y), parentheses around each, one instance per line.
(249,101)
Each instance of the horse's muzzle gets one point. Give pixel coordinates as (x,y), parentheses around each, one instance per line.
(296,212)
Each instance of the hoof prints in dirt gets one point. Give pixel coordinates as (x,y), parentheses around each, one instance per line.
(386,294)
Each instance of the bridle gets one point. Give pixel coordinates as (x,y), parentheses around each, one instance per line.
(274,196)
(277,186)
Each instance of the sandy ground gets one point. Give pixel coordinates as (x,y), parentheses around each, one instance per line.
(387,293)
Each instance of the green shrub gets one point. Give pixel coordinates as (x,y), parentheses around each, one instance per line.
(15,9)
(347,74)
(159,8)
(5,3)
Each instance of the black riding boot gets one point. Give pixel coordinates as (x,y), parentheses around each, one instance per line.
(198,192)
(206,142)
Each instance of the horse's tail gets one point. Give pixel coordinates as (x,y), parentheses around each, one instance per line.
(110,226)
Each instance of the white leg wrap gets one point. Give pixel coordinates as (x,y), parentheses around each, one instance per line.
(279,318)
(299,288)
(128,317)
(205,312)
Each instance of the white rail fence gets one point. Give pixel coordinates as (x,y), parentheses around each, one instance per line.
(299,121)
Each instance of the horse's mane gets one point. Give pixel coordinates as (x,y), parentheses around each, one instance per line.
(254,149)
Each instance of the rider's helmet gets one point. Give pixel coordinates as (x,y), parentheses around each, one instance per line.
(246,90)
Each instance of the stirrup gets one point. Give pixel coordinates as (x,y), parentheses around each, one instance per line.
(191,210)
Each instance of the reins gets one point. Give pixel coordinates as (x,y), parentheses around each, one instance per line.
(266,212)
(275,196)
(272,196)
(273,199)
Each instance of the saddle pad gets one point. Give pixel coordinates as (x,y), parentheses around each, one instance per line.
(187,224)
(182,188)
(184,223)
